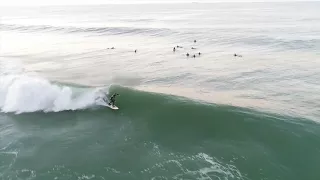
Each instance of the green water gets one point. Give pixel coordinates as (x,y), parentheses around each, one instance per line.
(165,137)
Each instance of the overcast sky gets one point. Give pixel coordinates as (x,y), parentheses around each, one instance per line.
(85,2)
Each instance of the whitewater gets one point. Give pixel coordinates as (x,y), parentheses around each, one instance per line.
(22,92)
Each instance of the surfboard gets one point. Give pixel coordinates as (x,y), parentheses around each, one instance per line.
(113,107)
(110,106)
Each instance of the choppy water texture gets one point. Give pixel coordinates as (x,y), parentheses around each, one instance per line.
(215,116)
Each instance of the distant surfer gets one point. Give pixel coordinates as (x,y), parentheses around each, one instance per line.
(195,41)
(187,54)
(199,53)
(135,51)
(194,56)
(193,48)
(179,47)
(113,99)
(174,49)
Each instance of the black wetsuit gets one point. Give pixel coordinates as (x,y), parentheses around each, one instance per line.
(113,99)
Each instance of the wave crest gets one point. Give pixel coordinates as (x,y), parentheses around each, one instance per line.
(20,93)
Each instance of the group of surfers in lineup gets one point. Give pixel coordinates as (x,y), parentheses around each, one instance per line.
(113,97)
(174,50)
(194,56)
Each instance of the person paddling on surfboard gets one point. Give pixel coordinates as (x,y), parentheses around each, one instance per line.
(113,99)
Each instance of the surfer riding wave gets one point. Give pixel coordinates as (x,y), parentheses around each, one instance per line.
(112,100)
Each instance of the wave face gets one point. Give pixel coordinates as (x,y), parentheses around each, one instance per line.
(257,139)
(168,137)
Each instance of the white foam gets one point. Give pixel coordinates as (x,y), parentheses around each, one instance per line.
(22,93)
(206,168)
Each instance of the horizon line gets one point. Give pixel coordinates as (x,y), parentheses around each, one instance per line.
(158,2)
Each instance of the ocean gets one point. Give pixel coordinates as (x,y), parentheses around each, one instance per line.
(215,116)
